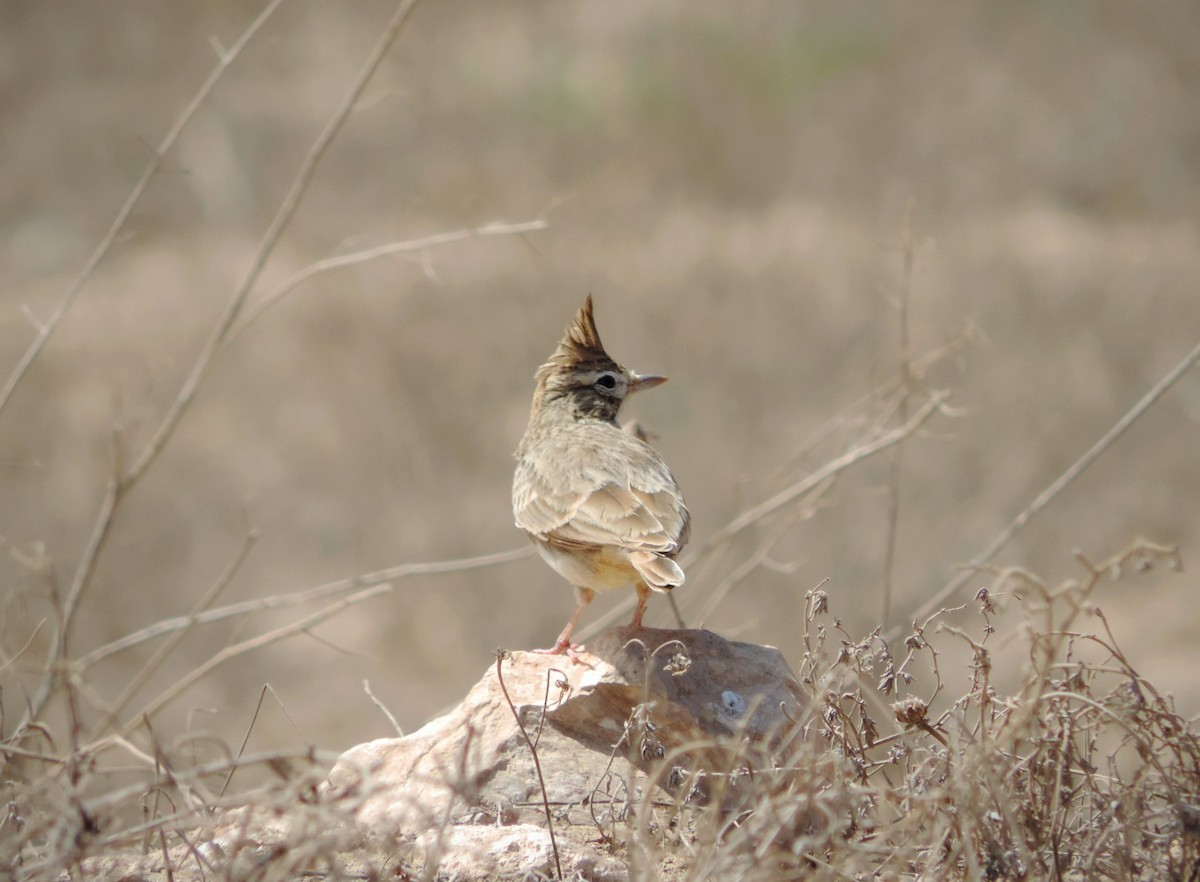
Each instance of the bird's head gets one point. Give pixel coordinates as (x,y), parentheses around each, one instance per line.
(585,377)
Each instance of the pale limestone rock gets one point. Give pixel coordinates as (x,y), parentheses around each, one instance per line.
(470,852)
(608,731)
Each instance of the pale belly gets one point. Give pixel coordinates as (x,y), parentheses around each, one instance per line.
(601,568)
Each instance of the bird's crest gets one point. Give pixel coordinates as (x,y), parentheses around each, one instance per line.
(581,343)
(579,350)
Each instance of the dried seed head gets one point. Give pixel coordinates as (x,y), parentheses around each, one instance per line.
(910,711)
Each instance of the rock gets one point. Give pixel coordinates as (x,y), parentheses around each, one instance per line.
(470,852)
(641,714)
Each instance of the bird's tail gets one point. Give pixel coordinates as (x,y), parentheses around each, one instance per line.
(660,573)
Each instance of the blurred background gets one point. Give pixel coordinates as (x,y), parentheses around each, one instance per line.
(735,186)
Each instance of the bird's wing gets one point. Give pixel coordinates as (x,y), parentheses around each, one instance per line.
(636,506)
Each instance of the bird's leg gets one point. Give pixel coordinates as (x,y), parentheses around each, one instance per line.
(563,645)
(643,593)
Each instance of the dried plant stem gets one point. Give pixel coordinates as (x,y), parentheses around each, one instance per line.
(241,751)
(1057,486)
(57,653)
(805,485)
(156,659)
(906,377)
(251,313)
(283,216)
(190,775)
(383,709)
(760,554)
(831,468)
(883,397)
(48,327)
(123,482)
(501,655)
(329,589)
(253,643)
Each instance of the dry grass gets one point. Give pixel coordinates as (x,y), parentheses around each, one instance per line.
(905,767)
(1084,771)
(184,492)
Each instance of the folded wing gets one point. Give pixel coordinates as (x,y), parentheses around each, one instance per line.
(643,513)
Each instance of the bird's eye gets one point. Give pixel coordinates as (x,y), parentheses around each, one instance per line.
(606,382)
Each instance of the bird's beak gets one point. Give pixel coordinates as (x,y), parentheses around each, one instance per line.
(638,382)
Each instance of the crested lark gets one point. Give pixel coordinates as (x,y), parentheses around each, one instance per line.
(600,504)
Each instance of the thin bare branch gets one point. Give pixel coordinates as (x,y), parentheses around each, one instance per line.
(383,709)
(816,478)
(8,661)
(250,645)
(56,655)
(906,378)
(714,597)
(252,312)
(45,329)
(254,643)
(282,219)
(120,485)
(795,491)
(501,655)
(1057,486)
(278,601)
(882,398)
(159,656)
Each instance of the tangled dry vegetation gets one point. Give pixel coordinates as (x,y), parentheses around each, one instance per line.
(1082,770)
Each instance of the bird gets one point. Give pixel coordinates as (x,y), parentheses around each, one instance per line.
(599,503)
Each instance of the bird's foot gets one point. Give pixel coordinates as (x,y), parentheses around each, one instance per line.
(567,648)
